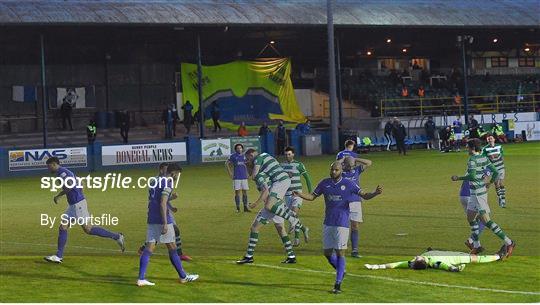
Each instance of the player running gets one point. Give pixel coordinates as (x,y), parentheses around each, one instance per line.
(173,209)
(160,227)
(338,194)
(442,260)
(352,168)
(348,151)
(77,209)
(464,198)
(495,154)
(476,176)
(236,167)
(279,183)
(262,218)
(296,170)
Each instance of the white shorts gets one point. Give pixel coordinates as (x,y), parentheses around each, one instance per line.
(264,216)
(153,234)
(293,201)
(240,184)
(355,209)
(502,173)
(335,237)
(78,210)
(279,188)
(479,203)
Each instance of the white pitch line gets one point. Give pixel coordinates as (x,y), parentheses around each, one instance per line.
(402,280)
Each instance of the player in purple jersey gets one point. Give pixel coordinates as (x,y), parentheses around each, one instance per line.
(338,194)
(352,168)
(236,167)
(160,226)
(78,209)
(350,146)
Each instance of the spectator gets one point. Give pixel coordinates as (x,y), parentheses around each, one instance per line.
(167,118)
(404,91)
(444,136)
(430,128)
(176,118)
(388,127)
(399,134)
(65,112)
(91,132)
(375,111)
(499,133)
(473,127)
(281,138)
(188,118)
(215,116)
(124,125)
(264,130)
(421,91)
(242,130)
(457,127)
(304,128)
(457,99)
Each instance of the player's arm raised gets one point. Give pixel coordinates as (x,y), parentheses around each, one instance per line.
(365,163)
(471,173)
(307,177)
(375,193)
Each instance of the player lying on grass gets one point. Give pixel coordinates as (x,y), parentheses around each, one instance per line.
(338,194)
(494,152)
(77,209)
(173,209)
(296,170)
(279,183)
(443,260)
(478,207)
(352,168)
(236,167)
(262,218)
(160,227)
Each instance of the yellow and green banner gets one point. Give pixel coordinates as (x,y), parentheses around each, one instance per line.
(244,91)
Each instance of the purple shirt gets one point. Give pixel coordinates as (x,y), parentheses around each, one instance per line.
(344,153)
(239,163)
(163,187)
(465,190)
(337,196)
(354,176)
(75,194)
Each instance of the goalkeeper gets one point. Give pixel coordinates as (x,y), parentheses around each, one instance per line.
(444,260)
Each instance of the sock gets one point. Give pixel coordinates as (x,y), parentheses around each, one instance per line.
(253,239)
(481,227)
(354,240)
(487,258)
(62,240)
(143,263)
(501,192)
(99,231)
(474,232)
(296,233)
(499,232)
(281,210)
(237,201)
(177,240)
(177,263)
(332,260)
(245,201)
(340,269)
(288,246)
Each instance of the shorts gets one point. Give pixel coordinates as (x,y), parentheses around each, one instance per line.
(240,184)
(77,210)
(153,234)
(293,201)
(335,237)
(502,173)
(264,216)
(355,209)
(430,136)
(479,203)
(278,189)
(459,136)
(464,202)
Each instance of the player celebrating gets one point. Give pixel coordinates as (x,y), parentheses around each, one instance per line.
(78,209)
(177,237)
(262,218)
(348,151)
(279,183)
(494,152)
(443,260)
(477,165)
(295,169)
(338,194)
(160,227)
(352,168)
(236,167)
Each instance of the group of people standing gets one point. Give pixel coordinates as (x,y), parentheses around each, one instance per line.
(170,118)
(396,130)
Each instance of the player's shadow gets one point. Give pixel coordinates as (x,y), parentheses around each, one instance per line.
(305,287)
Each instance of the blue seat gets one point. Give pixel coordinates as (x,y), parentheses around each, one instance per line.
(423,139)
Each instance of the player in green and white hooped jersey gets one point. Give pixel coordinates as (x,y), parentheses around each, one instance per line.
(279,183)
(443,260)
(476,167)
(296,170)
(495,154)
(262,218)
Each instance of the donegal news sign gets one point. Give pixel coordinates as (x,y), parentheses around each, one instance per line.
(35,159)
(143,153)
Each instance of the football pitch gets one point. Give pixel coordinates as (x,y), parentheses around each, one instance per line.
(419,208)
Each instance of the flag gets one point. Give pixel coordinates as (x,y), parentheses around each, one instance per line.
(25,94)
(72,95)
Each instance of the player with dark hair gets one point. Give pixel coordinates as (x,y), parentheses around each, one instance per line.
(495,154)
(350,145)
(236,167)
(77,208)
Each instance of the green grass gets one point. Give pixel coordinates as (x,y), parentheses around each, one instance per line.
(419,199)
